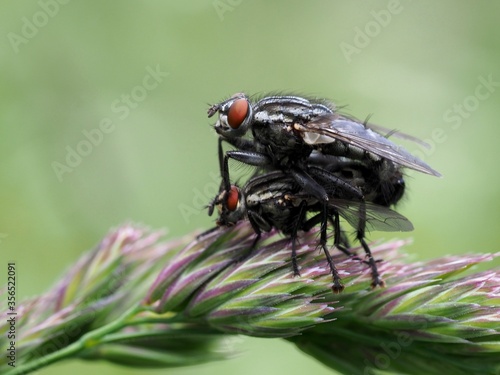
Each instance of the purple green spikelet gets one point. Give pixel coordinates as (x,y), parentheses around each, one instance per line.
(139,302)
(426,321)
(240,292)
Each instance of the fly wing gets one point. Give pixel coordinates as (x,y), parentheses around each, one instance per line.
(377,218)
(331,127)
(397,134)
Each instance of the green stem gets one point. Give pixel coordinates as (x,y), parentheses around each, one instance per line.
(88,340)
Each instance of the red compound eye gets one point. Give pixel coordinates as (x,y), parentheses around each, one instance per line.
(232,198)
(237,113)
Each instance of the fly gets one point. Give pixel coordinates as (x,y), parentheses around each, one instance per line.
(275,200)
(286,130)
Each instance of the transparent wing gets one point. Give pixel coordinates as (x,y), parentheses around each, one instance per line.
(331,127)
(378,218)
(396,134)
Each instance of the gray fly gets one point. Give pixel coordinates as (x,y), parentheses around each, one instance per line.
(275,200)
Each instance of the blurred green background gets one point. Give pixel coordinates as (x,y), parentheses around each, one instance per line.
(431,69)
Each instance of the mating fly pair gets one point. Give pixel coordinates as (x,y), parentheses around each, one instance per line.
(316,162)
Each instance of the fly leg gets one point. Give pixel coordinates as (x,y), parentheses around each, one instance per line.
(319,218)
(206,233)
(376,279)
(298,224)
(245,155)
(253,217)
(337,187)
(339,240)
(337,286)
(220,154)
(254,220)
(248,157)
(316,190)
